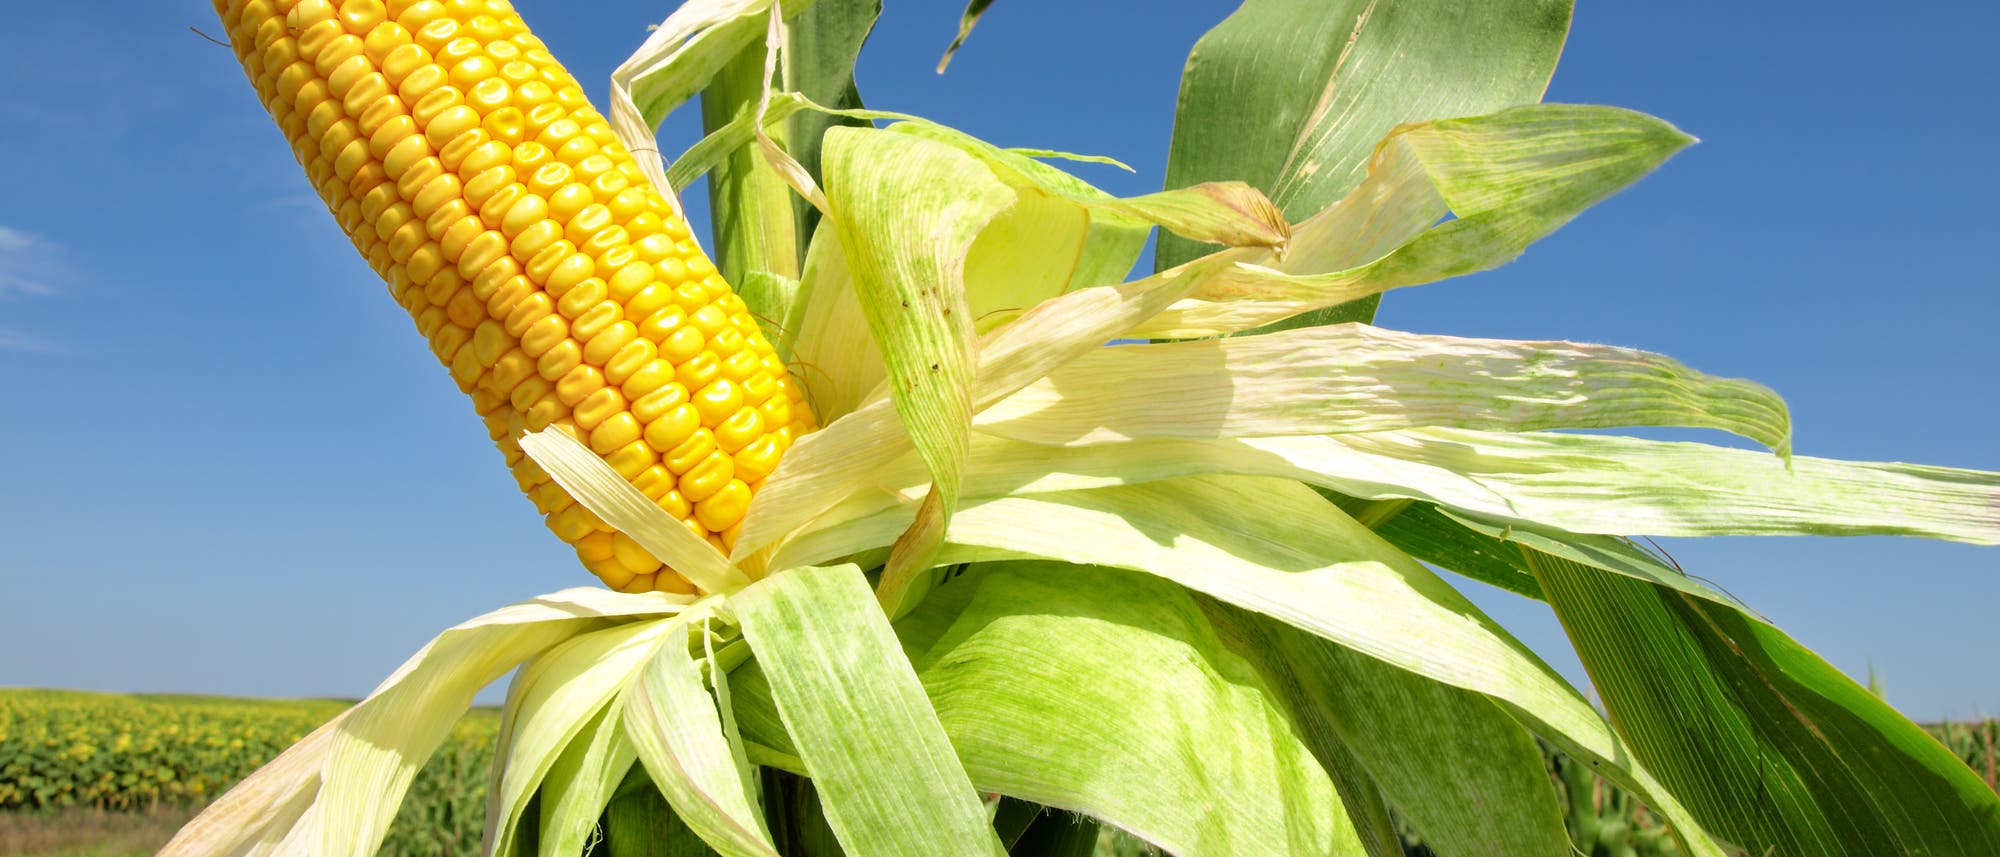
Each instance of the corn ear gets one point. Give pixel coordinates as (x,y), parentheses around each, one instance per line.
(557,286)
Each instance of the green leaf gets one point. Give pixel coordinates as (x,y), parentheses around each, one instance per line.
(973,10)
(677,60)
(580,784)
(1769,745)
(1600,484)
(1430,534)
(674,726)
(752,211)
(1462,770)
(1141,716)
(1511,178)
(1273,547)
(822,43)
(337,789)
(1357,378)
(906,211)
(852,704)
(553,699)
(1291,95)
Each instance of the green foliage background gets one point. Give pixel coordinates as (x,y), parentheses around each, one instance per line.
(61,749)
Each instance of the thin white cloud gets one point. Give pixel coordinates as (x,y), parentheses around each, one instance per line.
(30,266)
(15,340)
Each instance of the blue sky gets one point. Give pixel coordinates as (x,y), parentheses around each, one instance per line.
(231,466)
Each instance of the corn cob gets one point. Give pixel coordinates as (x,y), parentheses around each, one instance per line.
(557,286)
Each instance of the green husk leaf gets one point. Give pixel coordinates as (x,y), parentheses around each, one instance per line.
(677,60)
(1460,768)
(1291,95)
(1428,533)
(750,202)
(1768,744)
(1540,482)
(673,723)
(851,702)
(1615,485)
(973,10)
(774,300)
(1357,378)
(1141,717)
(826,466)
(822,44)
(1231,213)
(553,699)
(1274,547)
(256,815)
(580,784)
(337,789)
(611,496)
(906,211)
(1510,177)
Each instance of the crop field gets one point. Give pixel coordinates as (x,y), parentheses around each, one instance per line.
(106,775)
(109,775)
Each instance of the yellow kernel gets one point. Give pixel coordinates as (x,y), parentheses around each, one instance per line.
(535,241)
(472,70)
(530,156)
(611,573)
(379,41)
(699,371)
(573,269)
(492,190)
(725,508)
(544,334)
(506,123)
(595,547)
(706,477)
(718,400)
(709,319)
(742,427)
(756,460)
(674,504)
(527,311)
(599,347)
(683,457)
(654,482)
(569,199)
(485,253)
(419,83)
(659,323)
(582,297)
(566,355)
(525,212)
(403,61)
(435,103)
(489,94)
(631,459)
(641,583)
(683,344)
(450,123)
(674,427)
(614,432)
(650,377)
(657,403)
(598,406)
(510,370)
(578,383)
(594,320)
(454,153)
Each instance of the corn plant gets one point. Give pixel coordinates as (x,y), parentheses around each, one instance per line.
(901,558)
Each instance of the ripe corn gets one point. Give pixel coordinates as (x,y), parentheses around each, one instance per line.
(556,285)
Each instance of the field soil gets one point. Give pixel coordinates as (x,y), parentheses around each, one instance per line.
(89,832)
